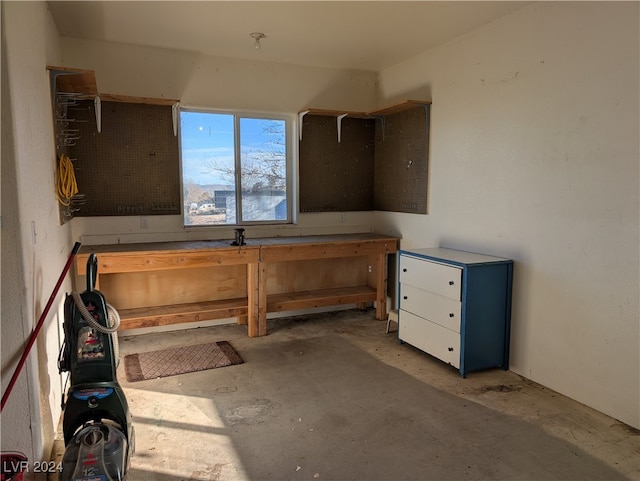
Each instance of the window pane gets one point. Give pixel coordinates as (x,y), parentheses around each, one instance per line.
(263,167)
(208,168)
(234,168)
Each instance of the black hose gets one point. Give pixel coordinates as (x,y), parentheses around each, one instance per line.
(114,322)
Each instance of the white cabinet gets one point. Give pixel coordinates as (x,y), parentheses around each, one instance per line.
(456,306)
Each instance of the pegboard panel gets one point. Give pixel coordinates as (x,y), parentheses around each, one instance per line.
(336,176)
(132,167)
(381,162)
(401,161)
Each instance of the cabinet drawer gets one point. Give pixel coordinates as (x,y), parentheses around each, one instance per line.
(433,339)
(439,309)
(431,276)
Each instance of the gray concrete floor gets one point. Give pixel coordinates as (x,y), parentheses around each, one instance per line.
(333,397)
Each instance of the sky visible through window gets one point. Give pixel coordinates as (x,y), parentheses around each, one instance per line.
(207,143)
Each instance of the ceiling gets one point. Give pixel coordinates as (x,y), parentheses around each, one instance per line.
(363,35)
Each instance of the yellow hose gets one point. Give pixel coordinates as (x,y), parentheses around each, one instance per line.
(66,186)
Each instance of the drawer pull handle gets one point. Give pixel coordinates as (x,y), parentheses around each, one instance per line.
(451,314)
(404,270)
(405,298)
(450,349)
(451,283)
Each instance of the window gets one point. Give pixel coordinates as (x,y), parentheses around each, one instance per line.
(236,168)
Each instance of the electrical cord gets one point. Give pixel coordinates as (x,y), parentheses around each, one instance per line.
(66,185)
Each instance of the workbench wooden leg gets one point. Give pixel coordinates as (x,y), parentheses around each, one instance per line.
(262,299)
(253,299)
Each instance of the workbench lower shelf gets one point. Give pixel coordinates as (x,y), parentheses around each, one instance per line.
(319,298)
(179,313)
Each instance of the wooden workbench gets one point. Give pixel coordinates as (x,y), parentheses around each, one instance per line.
(157,284)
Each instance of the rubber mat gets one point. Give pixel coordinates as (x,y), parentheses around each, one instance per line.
(179,360)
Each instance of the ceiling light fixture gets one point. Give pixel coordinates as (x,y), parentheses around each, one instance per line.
(257,36)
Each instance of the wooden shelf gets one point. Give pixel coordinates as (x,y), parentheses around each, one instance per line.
(401,107)
(83,82)
(388,110)
(75,80)
(180,313)
(336,113)
(137,100)
(319,298)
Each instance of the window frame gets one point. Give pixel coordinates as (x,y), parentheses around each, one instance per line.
(290,162)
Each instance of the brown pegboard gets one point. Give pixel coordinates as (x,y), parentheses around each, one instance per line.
(401,161)
(132,166)
(336,176)
(381,163)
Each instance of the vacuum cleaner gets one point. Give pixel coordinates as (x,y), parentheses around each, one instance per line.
(98,432)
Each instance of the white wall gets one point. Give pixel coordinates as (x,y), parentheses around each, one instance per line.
(534,155)
(221,83)
(30,269)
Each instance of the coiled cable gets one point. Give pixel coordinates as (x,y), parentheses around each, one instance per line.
(66,185)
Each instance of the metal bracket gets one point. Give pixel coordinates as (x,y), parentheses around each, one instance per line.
(175,109)
(98,111)
(300,117)
(339,121)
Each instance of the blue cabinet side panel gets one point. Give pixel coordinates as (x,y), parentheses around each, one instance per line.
(485,332)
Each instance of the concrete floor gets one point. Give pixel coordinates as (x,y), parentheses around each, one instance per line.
(332,397)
